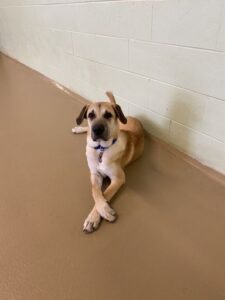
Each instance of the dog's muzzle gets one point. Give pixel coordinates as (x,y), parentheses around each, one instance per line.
(99,131)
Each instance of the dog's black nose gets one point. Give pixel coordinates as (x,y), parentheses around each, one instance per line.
(98,129)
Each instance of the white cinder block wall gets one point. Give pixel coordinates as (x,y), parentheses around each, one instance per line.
(164,60)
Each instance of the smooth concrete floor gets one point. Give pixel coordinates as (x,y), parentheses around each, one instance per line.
(169,239)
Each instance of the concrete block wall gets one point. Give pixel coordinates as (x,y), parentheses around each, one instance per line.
(164,60)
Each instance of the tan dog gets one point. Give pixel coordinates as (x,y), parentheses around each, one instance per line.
(113,141)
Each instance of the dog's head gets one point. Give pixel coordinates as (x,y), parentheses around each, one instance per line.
(102,119)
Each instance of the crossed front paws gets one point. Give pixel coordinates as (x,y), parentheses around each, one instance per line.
(106,211)
(93,220)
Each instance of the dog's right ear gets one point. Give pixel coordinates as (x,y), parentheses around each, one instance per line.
(119,114)
(111,97)
(82,115)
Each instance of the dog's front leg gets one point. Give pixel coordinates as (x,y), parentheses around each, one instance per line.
(100,202)
(117,180)
(101,207)
(92,221)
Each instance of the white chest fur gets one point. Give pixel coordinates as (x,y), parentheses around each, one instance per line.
(109,156)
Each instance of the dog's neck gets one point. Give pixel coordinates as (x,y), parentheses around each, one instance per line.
(102,149)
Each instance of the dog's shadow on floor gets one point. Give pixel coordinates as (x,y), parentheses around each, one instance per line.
(138,173)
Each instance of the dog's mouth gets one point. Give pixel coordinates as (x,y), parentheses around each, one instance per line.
(100,142)
(96,139)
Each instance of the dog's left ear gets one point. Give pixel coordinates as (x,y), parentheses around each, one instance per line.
(82,115)
(119,114)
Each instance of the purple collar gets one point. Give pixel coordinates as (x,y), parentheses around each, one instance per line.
(102,149)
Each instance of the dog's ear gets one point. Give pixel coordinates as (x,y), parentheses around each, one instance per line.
(82,115)
(119,114)
(111,97)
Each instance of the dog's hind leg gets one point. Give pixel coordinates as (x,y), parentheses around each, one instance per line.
(79,129)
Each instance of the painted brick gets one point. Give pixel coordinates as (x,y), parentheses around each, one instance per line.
(202,147)
(152,122)
(132,87)
(180,105)
(194,69)
(187,22)
(107,50)
(214,121)
(120,18)
(62,40)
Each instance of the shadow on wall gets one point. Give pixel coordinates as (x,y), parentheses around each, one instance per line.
(186,113)
(184,108)
(178,113)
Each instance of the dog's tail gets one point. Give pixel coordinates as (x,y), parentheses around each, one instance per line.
(111,97)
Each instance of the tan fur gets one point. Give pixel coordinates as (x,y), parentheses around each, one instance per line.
(128,147)
(111,97)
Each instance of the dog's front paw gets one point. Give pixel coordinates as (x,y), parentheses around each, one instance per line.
(92,222)
(106,211)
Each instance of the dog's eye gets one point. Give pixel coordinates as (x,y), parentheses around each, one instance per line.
(91,115)
(107,115)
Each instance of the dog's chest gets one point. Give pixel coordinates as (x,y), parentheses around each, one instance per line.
(99,162)
(103,162)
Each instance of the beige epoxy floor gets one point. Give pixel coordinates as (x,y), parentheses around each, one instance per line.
(168,242)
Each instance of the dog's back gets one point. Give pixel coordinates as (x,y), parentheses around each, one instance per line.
(135,139)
